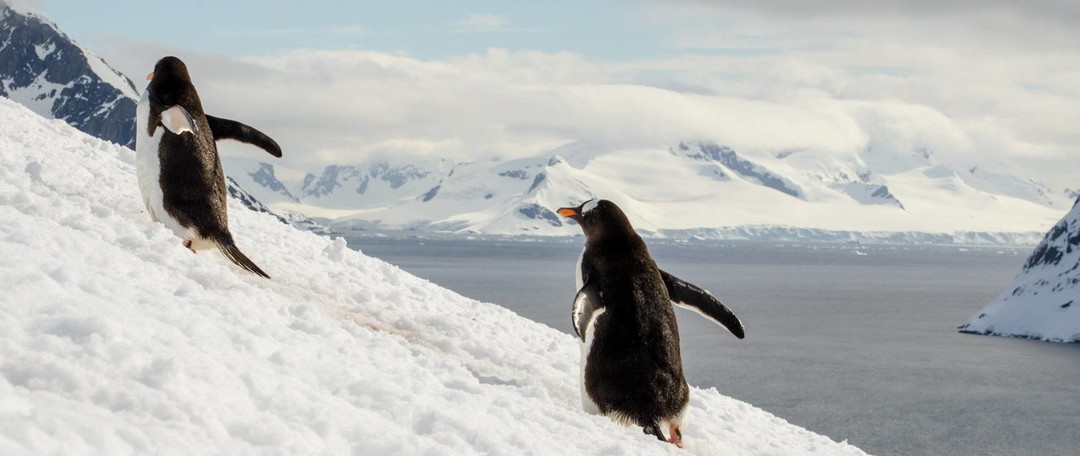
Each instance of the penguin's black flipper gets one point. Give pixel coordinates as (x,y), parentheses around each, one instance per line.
(586,302)
(692,297)
(231,129)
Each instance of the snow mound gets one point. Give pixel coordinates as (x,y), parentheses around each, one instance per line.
(1043,301)
(116,340)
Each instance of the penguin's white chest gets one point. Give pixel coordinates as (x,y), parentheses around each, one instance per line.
(578,281)
(148,169)
(586,347)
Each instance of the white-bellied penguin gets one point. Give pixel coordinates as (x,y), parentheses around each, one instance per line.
(177,163)
(631,366)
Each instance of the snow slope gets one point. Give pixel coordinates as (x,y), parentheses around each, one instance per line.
(116,340)
(1043,301)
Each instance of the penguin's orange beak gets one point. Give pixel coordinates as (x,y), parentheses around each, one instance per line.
(568,212)
(150,77)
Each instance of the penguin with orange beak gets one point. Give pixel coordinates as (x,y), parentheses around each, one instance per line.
(177,163)
(631,366)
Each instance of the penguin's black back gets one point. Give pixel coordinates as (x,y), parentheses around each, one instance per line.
(634,366)
(192,181)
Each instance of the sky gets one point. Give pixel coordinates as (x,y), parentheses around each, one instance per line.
(990,82)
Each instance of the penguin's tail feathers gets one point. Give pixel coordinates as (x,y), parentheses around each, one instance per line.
(654,428)
(228,248)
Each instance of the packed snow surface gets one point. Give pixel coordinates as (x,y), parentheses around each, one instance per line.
(114,339)
(1043,300)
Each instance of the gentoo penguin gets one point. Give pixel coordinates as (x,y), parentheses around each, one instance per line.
(177,162)
(631,367)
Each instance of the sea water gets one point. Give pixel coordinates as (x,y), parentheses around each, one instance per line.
(856,342)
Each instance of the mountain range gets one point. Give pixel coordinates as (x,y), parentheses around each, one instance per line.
(687,189)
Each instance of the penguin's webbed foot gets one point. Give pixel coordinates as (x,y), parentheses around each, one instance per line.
(187,244)
(676,435)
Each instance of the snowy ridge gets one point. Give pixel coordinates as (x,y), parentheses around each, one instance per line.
(1043,301)
(118,340)
(44,69)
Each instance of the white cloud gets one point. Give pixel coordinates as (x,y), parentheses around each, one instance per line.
(338,30)
(482,23)
(23,6)
(1010,107)
(1006,75)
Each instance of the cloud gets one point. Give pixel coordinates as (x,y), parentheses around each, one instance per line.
(1004,75)
(322,31)
(23,6)
(347,106)
(1065,10)
(1008,108)
(482,23)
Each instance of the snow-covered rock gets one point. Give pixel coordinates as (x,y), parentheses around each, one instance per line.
(50,73)
(114,339)
(1043,301)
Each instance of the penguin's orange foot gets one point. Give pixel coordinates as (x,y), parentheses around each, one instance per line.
(676,435)
(187,243)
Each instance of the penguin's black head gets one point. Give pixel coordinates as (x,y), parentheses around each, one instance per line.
(598,218)
(170,82)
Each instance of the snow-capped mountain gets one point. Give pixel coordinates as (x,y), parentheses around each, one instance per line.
(45,70)
(372,185)
(1043,300)
(698,188)
(258,178)
(118,340)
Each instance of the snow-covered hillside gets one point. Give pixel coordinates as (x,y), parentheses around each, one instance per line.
(1043,301)
(45,70)
(688,189)
(117,340)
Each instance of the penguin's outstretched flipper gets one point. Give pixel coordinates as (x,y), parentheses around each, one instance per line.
(692,297)
(231,129)
(586,302)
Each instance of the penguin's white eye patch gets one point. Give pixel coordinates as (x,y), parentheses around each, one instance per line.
(589,206)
